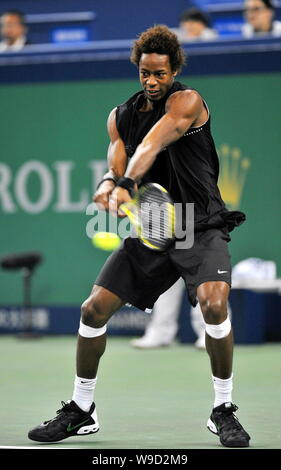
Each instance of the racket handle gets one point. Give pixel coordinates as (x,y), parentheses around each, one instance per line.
(129,209)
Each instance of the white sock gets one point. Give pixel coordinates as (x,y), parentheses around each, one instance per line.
(83,393)
(223,389)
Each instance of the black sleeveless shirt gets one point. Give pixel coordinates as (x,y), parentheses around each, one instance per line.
(187,168)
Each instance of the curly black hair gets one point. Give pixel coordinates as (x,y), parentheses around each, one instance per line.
(160,40)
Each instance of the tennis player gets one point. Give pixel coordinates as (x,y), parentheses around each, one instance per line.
(160,134)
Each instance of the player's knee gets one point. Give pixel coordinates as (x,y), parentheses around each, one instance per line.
(214,310)
(92,313)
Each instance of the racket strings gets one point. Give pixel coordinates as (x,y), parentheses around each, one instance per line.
(156,216)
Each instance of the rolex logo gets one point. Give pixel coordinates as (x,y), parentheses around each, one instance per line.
(233,172)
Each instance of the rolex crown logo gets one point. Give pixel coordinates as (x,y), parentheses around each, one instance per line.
(233,172)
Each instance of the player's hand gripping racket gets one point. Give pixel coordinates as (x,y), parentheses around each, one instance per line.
(152,214)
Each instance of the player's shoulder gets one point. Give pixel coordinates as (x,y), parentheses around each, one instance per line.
(124,110)
(112,117)
(184,98)
(120,116)
(187,94)
(112,112)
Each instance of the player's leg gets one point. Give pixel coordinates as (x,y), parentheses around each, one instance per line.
(78,416)
(96,310)
(95,313)
(213,297)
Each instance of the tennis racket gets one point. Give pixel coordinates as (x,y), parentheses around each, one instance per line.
(152,214)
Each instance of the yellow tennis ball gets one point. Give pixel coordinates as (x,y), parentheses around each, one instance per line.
(107,241)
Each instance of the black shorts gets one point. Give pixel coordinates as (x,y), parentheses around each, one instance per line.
(139,275)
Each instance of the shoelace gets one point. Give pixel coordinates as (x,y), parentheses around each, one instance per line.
(65,407)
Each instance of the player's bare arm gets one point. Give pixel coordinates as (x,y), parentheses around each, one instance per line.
(117,163)
(184,109)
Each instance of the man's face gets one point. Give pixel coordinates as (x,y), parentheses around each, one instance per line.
(192,29)
(156,75)
(11,27)
(257,14)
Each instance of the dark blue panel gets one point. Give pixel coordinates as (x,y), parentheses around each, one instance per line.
(110,60)
(273,317)
(65,320)
(248,316)
(114,19)
(124,19)
(256,318)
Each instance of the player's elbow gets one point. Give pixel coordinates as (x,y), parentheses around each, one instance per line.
(179,131)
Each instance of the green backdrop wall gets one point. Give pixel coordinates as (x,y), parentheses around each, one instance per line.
(53,152)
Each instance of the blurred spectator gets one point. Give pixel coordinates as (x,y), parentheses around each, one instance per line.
(254,269)
(259,16)
(13,31)
(195,25)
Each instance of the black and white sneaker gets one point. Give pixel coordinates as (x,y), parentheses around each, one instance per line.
(70,421)
(225,424)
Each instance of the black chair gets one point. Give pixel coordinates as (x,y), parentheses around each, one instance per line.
(27,263)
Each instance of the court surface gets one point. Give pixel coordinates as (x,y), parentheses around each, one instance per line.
(155,399)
